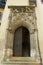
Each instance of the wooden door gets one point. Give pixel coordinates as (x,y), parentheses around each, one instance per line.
(21,46)
(17,49)
(25,42)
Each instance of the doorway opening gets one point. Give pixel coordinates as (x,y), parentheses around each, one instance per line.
(21,43)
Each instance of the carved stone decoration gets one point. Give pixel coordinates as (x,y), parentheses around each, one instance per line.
(23,16)
(27,15)
(24,9)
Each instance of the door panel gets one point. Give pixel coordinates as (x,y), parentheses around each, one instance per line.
(18,42)
(25,42)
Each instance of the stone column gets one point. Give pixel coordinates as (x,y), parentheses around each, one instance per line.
(32,44)
(9,37)
(37,56)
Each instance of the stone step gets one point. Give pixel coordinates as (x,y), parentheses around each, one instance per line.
(21,61)
(16,63)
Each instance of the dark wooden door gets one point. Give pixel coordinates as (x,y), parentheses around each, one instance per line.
(21,45)
(25,42)
(17,49)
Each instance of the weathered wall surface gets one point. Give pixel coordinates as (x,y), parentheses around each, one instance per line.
(39,14)
(3,31)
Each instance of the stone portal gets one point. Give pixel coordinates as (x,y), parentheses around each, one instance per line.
(22,38)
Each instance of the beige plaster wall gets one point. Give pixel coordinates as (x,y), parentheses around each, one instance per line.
(18,2)
(3,31)
(39,15)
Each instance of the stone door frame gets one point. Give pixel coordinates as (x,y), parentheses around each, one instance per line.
(28,20)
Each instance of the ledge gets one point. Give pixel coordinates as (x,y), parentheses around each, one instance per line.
(21,6)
